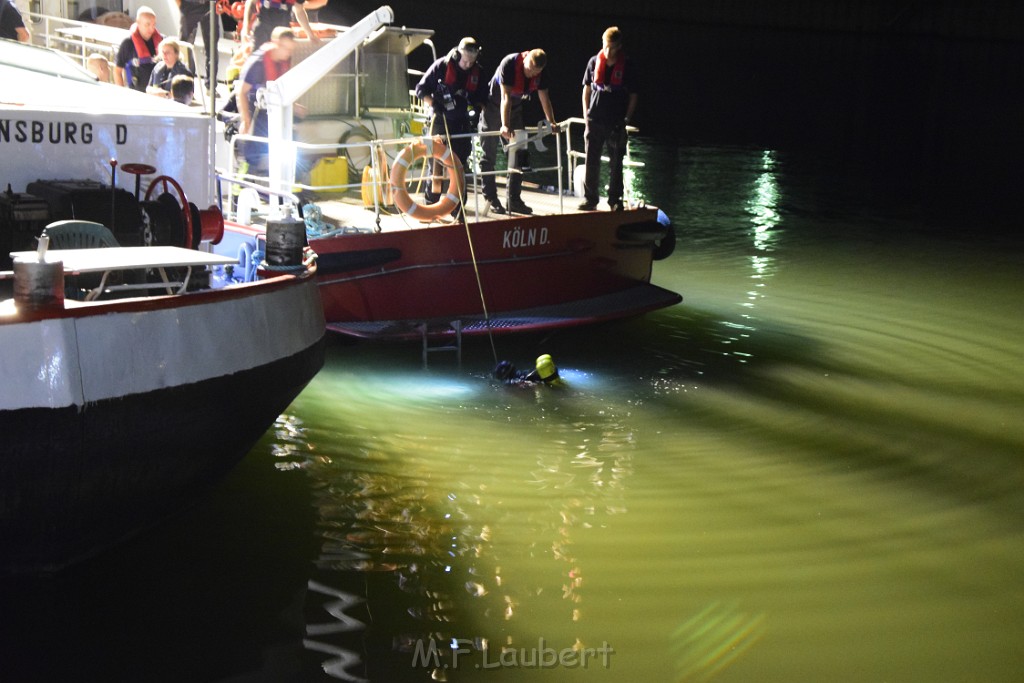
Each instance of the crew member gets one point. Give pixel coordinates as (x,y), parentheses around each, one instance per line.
(195,14)
(270,14)
(136,58)
(12,26)
(516,79)
(609,101)
(454,87)
(268,63)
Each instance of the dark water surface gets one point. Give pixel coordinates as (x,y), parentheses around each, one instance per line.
(810,470)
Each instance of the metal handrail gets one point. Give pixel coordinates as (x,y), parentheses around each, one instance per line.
(372,152)
(52,39)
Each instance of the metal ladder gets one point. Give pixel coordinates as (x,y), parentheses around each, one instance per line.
(428,349)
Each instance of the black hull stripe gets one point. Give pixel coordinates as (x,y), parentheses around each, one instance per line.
(75,480)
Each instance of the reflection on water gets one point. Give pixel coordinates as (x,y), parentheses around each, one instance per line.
(763,205)
(713,638)
(816,479)
(810,470)
(474,512)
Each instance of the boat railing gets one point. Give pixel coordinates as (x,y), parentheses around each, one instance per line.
(573,129)
(79,39)
(76,39)
(361,170)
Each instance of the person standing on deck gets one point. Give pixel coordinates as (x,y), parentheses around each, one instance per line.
(268,63)
(136,58)
(609,100)
(195,14)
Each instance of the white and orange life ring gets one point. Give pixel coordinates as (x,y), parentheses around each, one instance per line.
(431,148)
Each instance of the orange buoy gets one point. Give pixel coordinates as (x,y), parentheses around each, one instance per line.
(433,148)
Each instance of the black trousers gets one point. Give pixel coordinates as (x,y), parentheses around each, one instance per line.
(461,147)
(266,21)
(197,15)
(596,138)
(492,122)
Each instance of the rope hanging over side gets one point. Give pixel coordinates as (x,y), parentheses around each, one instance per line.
(472,252)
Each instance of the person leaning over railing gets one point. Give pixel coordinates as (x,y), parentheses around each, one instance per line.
(517,78)
(455,88)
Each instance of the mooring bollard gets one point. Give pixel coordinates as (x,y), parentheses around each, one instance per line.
(285,242)
(39,285)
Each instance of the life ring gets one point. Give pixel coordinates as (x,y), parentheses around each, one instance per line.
(433,148)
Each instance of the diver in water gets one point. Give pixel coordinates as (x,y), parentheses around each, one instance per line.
(544,372)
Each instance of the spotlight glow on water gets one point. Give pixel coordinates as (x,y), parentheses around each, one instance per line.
(581,379)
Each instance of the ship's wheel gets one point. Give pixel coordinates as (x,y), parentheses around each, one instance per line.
(159,191)
(138,170)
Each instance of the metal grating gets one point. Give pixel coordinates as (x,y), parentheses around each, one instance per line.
(633,301)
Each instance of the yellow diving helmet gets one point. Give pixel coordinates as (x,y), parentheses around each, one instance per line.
(546,370)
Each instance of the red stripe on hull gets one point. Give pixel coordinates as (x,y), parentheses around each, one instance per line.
(522,263)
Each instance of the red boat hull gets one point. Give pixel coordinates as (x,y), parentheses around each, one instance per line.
(521,262)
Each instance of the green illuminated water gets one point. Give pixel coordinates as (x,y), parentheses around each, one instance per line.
(810,470)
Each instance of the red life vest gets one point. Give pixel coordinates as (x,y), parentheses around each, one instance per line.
(521,87)
(451,75)
(606,78)
(142,53)
(273,69)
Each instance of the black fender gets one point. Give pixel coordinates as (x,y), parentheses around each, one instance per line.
(664,247)
(660,235)
(642,231)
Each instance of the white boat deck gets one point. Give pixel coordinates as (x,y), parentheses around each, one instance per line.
(350,212)
(77,261)
(110,260)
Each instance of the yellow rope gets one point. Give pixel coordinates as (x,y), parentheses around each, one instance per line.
(469,239)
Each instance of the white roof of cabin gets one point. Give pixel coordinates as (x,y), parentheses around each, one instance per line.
(41,79)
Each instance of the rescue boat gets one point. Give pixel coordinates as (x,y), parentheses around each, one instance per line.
(353,167)
(392,265)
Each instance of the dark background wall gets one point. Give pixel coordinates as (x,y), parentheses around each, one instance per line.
(984,19)
(934,87)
